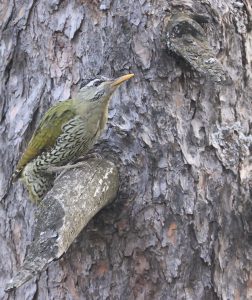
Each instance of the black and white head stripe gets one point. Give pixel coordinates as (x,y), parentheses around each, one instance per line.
(97,96)
(93,82)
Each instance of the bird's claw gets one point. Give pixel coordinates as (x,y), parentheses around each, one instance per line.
(89,156)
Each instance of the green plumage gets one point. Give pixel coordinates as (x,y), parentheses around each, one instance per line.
(48,131)
(67,130)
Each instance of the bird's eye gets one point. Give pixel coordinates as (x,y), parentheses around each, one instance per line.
(98,82)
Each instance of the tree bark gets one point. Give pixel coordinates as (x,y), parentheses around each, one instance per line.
(77,195)
(180,227)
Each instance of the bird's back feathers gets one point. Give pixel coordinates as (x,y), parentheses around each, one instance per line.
(47,132)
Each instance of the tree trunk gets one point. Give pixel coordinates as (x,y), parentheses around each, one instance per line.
(180,134)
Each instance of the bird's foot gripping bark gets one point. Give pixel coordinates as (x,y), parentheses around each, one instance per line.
(78,163)
(93,155)
(56,169)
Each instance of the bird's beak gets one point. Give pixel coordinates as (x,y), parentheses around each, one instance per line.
(121,79)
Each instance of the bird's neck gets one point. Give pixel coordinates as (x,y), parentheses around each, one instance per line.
(96,114)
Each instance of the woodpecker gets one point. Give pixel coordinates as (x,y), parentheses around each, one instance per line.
(67,131)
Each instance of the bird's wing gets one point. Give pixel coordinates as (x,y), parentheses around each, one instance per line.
(47,132)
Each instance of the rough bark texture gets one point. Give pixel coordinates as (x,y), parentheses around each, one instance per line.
(76,196)
(181,226)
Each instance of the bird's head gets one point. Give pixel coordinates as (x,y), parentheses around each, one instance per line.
(100,89)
